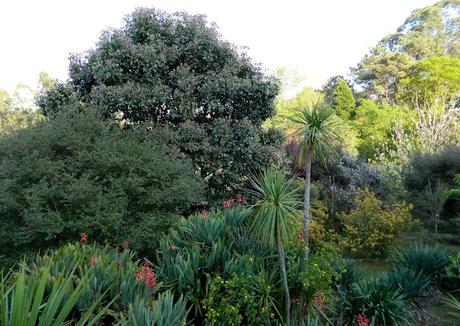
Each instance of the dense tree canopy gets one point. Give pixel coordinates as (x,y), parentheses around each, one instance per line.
(78,173)
(429,31)
(432,89)
(171,68)
(174,69)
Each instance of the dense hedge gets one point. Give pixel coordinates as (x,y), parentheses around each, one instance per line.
(78,173)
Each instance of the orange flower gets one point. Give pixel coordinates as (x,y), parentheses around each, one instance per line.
(319,298)
(139,275)
(240,199)
(228,203)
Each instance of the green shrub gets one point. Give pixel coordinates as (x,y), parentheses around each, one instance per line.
(242,299)
(453,268)
(322,271)
(434,168)
(371,228)
(76,173)
(410,282)
(379,303)
(429,261)
(451,280)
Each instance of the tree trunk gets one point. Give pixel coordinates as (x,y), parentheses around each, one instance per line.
(306,208)
(287,298)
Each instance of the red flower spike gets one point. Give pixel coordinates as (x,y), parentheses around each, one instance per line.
(318,299)
(204,214)
(240,199)
(139,275)
(362,320)
(83,237)
(228,203)
(150,277)
(93,261)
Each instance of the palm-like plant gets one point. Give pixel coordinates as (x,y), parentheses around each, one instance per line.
(277,200)
(317,127)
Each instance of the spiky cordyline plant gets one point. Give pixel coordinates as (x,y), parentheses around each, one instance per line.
(317,128)
(277,200)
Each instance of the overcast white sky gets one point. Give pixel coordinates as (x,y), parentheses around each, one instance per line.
(320,38)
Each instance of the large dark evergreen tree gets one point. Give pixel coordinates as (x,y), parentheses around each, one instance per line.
(174,69)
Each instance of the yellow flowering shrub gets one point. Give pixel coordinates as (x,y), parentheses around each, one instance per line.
(318,233)
(371,228)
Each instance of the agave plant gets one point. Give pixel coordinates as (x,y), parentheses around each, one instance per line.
(24,300)
(407,280)
(165,312)
(110,271)
(379,303)
(429,261)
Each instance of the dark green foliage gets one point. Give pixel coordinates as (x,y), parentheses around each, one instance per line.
(242,299)
(350,274)
(226,153)
(330,85)
(53,99)
(174,69)
(77,173)
(425,168)
(429,261)
(409,281)
(427,171)
(381,304)
(455,192)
